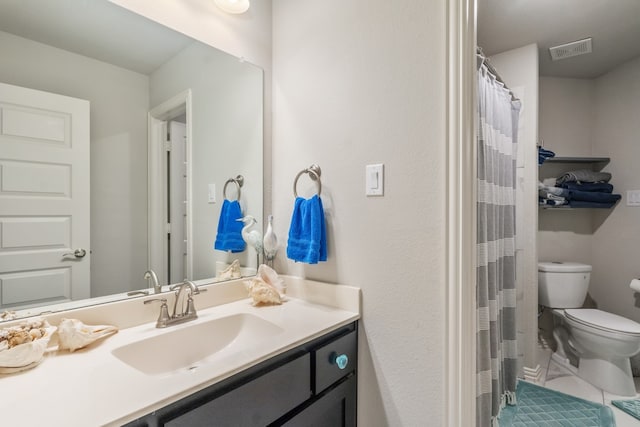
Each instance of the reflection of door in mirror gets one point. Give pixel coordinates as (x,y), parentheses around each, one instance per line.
(44,214)
(169,179)
(177,200)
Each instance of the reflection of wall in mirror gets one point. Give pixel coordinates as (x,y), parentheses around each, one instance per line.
(227,139)
(118,150)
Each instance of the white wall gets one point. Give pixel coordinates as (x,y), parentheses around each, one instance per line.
(119,104)
(519,69)
(566,115)
(566,126)
(227,139)
(363,82)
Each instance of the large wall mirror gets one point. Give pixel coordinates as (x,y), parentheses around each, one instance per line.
(117,138)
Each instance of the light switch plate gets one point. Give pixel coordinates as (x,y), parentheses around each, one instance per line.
(374,180)
(212,193)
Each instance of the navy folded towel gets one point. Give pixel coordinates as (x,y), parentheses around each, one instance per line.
(544,155)
(602,187)
(229,237)
(307,232)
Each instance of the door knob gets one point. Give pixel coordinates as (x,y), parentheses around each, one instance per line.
(78,253)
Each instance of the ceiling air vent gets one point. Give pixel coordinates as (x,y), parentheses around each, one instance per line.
(567,50)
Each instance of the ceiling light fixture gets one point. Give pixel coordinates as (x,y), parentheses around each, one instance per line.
(233,6)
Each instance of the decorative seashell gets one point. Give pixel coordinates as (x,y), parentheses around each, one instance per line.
(270,276)
(73,334)
(23,345)
(262,293)
(231,272)
(266,287)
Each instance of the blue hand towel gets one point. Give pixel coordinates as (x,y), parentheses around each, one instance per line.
(229,237)
(307,232)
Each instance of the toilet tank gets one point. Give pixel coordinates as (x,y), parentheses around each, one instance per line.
(563,284)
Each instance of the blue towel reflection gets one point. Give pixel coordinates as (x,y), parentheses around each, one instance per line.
(229,237)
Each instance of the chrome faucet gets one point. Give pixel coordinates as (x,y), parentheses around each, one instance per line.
(150,274)
(164,319)
(190,311)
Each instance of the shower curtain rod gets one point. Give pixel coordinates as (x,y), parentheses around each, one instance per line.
(494,72)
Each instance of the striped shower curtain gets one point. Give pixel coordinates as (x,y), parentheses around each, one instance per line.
(496,277)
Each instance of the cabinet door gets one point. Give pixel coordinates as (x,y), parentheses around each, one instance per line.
(335,408)
(327,369)
(256,403)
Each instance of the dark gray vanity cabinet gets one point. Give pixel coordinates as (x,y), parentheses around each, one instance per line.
(314,384)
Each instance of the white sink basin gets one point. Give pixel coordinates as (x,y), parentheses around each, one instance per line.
(186,347)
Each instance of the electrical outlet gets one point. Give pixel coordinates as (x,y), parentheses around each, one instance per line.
(633,198)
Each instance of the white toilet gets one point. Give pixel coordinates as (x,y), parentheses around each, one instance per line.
(602,342)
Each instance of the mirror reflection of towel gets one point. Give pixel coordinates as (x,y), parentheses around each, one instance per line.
(307,232)
(229,237)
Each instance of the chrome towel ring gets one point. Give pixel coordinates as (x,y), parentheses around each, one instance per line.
(238,181)
(314,173)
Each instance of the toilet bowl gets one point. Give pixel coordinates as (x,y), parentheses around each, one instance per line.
(602,342)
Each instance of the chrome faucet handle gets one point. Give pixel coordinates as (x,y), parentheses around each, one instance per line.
(163,317)
(192,286)
(191,308)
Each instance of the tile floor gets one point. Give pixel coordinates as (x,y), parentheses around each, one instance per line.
(558,378)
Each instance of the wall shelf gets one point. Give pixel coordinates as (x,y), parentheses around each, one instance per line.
(569,208)
(556,166)
(577,160)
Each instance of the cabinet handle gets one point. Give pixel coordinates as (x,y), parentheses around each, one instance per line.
(341,360)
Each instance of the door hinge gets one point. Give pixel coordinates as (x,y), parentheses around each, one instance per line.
(168,228)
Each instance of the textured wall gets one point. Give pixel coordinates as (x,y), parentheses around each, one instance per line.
(363,82)
(566,126)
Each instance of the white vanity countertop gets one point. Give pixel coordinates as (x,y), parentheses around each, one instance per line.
(92,387)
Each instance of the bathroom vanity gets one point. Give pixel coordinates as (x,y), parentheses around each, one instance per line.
(312,384)
(236,364)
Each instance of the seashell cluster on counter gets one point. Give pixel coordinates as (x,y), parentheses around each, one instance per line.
(23,346)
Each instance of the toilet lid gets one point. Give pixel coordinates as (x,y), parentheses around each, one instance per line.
(563,267)
(603,320)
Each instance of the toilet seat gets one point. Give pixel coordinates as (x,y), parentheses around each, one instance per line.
(603,321)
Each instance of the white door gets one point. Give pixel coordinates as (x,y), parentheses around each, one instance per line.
(44,198)
(177,215)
